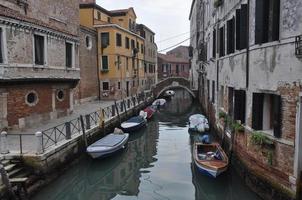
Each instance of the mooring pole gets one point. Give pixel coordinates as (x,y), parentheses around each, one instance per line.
(6,182)
(125,107)
(117,111)
(83,130)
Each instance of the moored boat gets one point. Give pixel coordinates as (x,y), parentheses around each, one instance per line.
(198,123)
(169,93)
(133,124)
(107,145)
(150,112)
(159,102)
(210,159)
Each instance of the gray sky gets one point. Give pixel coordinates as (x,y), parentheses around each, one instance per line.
(167,18)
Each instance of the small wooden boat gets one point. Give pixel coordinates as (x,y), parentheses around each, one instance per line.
(150,112)
(159,102)
(198,123)
(107,145)
(133,124)
(210,159)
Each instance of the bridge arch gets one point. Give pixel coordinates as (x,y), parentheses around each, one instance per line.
(170,83)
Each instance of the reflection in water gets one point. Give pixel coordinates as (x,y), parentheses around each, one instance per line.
(157,164)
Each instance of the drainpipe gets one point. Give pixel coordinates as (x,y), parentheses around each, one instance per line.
(98,67)
(248,45)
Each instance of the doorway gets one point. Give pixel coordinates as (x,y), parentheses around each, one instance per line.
(127,88)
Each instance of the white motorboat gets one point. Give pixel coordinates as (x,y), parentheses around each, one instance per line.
(108,145)
(159,102)
(198,123)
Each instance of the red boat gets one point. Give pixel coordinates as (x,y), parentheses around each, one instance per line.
(150,111)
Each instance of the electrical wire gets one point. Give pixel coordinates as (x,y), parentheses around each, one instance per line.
(172,37)
(174,45)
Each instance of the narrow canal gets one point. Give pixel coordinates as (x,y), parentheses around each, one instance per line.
(157,164)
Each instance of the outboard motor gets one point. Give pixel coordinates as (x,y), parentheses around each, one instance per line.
(206,139)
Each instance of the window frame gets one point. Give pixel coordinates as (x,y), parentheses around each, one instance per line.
(102,69)
(118,40)
(108,41)
(45,63)
(72,55)
(3,45)
(103,86)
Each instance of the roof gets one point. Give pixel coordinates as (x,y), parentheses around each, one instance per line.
(12,14)
(191,10)
(145,27)
(112,13)
(172,59)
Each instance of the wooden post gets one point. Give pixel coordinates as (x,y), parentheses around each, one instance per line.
(103,121)
(87,118)
(118,113)
(68,130)
(125,107)
(83,130)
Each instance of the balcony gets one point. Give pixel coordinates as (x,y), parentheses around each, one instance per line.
(28,72)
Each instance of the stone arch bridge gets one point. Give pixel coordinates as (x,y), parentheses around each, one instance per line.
(171,83)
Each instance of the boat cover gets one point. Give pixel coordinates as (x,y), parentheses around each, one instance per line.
(198,122)
(159,102)
(110,140)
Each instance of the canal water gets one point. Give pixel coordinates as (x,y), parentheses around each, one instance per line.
(157,164)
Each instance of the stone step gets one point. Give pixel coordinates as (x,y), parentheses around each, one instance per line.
(14,172)
(5,162)
(18,180)
(9,167)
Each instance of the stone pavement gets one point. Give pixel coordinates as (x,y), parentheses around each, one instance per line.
(29,141)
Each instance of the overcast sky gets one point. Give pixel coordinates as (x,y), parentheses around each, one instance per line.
(167,18)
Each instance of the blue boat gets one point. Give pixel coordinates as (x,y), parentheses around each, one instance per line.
(133,124)
(210,159)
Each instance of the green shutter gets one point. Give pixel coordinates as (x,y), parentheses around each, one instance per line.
(105,63)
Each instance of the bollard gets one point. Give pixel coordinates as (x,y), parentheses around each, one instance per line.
(4,146)
(87,119)
(68,130)
(39,142)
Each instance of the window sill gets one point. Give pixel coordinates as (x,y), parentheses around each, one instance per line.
(104,70)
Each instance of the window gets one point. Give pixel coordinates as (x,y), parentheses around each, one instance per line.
(142,48)
(118,40)
(105,65)
(105,40)
(99,16)
(105,86)
(119,85)
(213,91)
(130,24)
(137,46)
(177,69)
(1,46)
(221,42)
(231,36)
(230,101)
(267,113)
(39,49)
(132,44)
(267,21)
(68,55)
(183,68)
(208,88)
(241,27)
(127,63)
(127,43)
(145,68)
(31,98)
(239,111)
(60,95)
(133,84)
(214,43)
(88,42)
(108,19)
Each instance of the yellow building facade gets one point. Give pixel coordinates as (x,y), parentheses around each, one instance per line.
(120,50)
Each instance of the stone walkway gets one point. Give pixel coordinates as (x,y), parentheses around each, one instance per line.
(29,141)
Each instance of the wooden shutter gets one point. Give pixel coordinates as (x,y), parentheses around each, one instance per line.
(240,100)
(221,42)
(238,29)
(277,115)
(230,36)
(68,55)
(257,115)
(214,43)
(1,43)
(261,21)
(213,91)
(105,63)
(276,20)
(243,26)
(230,102)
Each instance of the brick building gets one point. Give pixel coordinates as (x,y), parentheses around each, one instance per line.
(172,66)
(248,55)
(39,65)
(180,52)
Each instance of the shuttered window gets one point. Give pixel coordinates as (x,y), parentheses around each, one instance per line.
(240,101)
(238,29)
(39,49)
(68,55)
(213,92)
(1,46)
(243,26)
(257,108)
(221,42)
(214,43)
(231,36)
(277,115)
(267,21)
(230,101)
(105,40)
(105,65)
(127,41)
(118,40)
